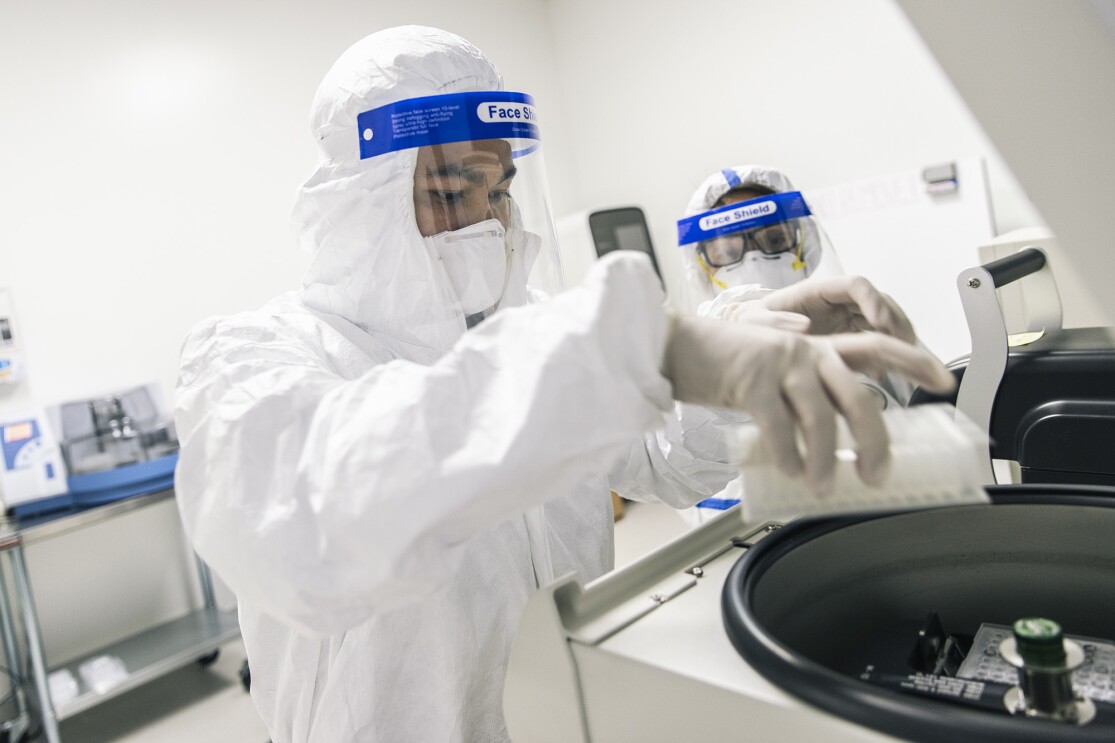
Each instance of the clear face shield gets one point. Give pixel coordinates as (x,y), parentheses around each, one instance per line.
(772,240)
(480,196)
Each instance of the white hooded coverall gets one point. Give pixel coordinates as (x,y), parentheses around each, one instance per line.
(381,489)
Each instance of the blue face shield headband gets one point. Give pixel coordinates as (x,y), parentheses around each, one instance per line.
(442,119)
(767,224)
(746,215)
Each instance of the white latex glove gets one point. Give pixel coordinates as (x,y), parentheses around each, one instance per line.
(795,384)
(752,312)
(839,304)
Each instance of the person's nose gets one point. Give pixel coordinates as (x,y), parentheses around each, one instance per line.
(481,209)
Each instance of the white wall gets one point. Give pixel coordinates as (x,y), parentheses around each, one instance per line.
(663,94)
(150,155)
(1040,77)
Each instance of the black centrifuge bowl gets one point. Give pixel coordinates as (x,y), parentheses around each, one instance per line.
(813,603)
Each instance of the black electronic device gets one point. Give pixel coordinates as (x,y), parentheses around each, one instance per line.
(623,228)
(1049,404)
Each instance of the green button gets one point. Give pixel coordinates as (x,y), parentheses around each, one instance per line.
(1040,642)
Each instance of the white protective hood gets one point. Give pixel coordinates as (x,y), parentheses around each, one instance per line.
(356,217)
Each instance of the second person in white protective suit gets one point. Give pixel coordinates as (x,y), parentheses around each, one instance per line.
(772,256)
(747,232)
(385,464)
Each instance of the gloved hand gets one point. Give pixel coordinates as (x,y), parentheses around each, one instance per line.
(793,383)
(752,312)
(836,304)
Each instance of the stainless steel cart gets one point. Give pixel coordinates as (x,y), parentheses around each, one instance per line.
(147,655)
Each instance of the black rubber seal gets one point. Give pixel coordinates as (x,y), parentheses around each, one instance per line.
(871,706)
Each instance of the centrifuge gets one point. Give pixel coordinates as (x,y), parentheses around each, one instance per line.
(855,628)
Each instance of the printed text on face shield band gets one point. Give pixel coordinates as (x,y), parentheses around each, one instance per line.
(765,210)
(440,119)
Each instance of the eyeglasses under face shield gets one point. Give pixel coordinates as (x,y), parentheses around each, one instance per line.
(769,224)
(728,250)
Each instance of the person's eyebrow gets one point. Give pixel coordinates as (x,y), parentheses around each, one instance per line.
(472,175)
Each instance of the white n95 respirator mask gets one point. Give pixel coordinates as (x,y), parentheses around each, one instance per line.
(476,261)
(486,265)
(771,271)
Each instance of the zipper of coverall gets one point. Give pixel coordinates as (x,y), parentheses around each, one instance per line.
(539,544)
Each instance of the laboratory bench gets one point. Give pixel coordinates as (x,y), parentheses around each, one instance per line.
(194,637)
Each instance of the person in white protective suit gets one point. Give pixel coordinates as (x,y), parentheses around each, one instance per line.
(385,464)
(729,268)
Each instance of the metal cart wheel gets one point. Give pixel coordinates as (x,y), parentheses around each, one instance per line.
(209,658)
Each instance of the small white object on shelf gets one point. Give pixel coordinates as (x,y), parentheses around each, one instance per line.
(103,672)
(63,686)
